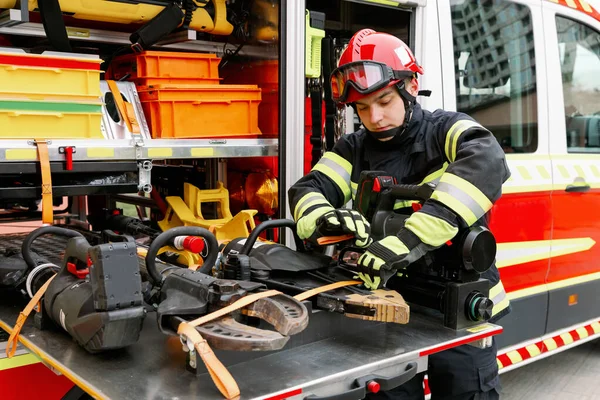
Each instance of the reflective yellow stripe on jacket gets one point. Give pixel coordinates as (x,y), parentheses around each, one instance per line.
(454,134)
(499,298)
(462,197)
(338,169)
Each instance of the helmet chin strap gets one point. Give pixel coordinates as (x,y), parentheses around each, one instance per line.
(409,102)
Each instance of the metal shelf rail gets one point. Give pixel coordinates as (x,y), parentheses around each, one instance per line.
(130,150)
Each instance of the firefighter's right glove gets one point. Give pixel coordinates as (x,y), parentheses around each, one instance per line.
(382,260)
(344,221)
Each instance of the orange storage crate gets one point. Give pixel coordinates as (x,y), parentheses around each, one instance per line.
(268,111)
(259,73)
(202,111)
(265,74)
(166,67)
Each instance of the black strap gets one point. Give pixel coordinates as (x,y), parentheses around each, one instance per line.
(189,7)
(157,28)
(328,62)
(316,139)
(409,239)
(54,25)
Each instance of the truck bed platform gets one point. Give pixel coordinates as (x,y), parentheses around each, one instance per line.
(325,359)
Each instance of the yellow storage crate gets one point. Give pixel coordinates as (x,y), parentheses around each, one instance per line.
(50,120)
(49,77)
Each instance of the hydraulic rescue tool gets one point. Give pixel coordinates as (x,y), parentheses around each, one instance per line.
(187,250)
(447,279)
(183,295)
(95,295)
(276,266)
(300,272)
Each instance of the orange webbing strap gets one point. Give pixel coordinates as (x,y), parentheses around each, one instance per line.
(13,340)
(321,289)
(219,374)
(47,204)
(126,110)
(327,240)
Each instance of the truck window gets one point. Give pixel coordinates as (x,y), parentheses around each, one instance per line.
(494,62)
(579,49)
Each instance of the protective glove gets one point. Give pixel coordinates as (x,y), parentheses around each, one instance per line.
(306,226)
(346,221)
(382,260)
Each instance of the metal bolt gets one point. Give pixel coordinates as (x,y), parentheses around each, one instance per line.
(224,286)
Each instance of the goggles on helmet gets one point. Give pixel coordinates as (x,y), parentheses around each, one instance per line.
(363,76)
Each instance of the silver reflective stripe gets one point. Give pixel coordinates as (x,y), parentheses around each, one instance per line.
(462,197)
(499,297)
(337,168)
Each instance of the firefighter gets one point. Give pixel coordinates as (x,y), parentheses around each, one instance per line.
(377,76)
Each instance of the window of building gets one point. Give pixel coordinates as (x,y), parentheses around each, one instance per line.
(579,49)
(495,73)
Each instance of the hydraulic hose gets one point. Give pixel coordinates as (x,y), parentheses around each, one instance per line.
(167,236)
(44,230)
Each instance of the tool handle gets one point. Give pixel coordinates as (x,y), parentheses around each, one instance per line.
(168,236)
(409,192)
(275,223)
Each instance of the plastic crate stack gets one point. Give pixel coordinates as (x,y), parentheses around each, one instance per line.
(49,96)
(182,95)
(265,74)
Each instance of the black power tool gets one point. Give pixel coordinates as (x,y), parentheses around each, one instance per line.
(447,279)
(96,295)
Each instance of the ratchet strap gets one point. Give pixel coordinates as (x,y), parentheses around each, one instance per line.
(219,374)
(125,108)
(47,204)
(313,292)
(13,340)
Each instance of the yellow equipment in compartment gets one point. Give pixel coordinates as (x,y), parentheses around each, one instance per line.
(140,13)
(188,212)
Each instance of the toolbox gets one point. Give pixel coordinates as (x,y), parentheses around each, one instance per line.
(202,111)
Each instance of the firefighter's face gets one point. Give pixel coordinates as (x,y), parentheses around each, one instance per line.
(384,110)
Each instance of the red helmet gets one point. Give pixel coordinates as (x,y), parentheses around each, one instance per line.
(372,61)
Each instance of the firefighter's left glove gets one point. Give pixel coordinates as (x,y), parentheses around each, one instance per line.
(382,260)
(342,221)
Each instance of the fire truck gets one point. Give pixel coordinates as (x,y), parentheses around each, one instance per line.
(527,70)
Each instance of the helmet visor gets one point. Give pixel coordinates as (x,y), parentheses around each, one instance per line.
(363,76)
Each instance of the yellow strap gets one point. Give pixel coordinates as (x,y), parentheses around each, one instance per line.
(127,113)
(321,289)
(219,374)
(327,240)
(13,340)
(47,204)
(241,303)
